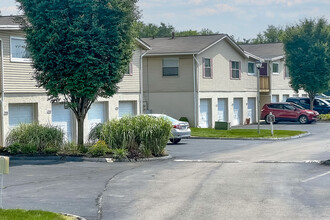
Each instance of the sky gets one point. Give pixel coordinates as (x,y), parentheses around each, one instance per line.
(240,18)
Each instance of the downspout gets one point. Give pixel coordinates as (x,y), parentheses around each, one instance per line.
(196,90)
(2,97)
(141,82)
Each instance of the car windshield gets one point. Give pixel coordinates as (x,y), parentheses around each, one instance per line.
(326,102)
(297,106)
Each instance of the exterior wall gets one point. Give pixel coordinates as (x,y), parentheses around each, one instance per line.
(174,104)
(214,96)
(221,54)
(131,83)
(154,81)
(18,75)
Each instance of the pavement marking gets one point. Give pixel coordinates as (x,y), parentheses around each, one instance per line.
(209,161)
(315,177)
(283,161)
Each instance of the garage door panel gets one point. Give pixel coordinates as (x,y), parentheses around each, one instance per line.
(237,120)
(20,113)
(96,114)
(126,108)
(62,118)
(252,109)
(222,109)
(204,114)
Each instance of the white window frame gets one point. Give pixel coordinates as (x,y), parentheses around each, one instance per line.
(254,68)
(278,68)
(170,58)
(15,59)
(207,67)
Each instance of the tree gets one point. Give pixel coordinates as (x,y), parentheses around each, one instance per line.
(80,48)
(307,51)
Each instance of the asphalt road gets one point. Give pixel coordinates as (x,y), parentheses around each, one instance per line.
(205,179)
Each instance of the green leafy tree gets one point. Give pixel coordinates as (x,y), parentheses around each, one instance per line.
(271,35)
(307,51)
(80,48)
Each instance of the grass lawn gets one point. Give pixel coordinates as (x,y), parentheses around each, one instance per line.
(19,214)
(242,133)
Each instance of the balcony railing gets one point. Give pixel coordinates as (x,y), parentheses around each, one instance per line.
(264,83)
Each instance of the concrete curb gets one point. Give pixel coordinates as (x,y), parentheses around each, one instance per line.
(81,159)
(74,216)
(263,139)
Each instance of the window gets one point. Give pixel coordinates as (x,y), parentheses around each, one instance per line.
(207,71)
(275,68)
(275,106)
(251,68)
(18,51)
(304,101)
(170,66)
(129,69)
(289,107)
(235,70)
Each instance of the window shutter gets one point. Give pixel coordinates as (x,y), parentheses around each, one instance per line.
(211,64)
(203,66)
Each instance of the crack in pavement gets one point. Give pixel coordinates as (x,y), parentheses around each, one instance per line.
(106,187)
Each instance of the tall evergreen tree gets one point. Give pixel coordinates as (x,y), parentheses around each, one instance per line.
(80,48)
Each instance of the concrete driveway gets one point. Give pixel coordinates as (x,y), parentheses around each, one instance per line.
(206,179)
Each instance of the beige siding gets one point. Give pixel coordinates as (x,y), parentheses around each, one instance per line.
(18,75)
(279,81)
(131,83)
(154,81)
(221,54)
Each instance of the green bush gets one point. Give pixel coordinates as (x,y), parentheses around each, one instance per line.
(99,149)
(119,154)
(184,119)
(72,149)
(95,133)
(140,136)
(38,136)
(324,117)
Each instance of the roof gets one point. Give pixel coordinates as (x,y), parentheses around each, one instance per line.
(8,23)
(182,45)
(271,51)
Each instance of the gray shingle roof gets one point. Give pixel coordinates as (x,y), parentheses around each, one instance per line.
(181,45)
(265,51)
(7,20)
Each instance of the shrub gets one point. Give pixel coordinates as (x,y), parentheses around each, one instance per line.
(324,117)
(119,153)
(99,149)
(39,136)
(95,133)
(17,148)
(141,135)
(73,149)
(184,119)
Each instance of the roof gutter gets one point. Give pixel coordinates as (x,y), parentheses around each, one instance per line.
(141,81)
(2,137)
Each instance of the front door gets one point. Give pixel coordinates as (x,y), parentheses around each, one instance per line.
(252,109)
(237,111)
(204,113)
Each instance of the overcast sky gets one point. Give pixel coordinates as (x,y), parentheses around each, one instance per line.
(241,18)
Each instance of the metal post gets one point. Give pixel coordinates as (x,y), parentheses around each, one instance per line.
(258,97)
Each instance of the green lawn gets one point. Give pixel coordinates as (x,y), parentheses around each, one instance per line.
(19,214)
(242,133)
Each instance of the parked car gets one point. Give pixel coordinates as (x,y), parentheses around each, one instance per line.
(320,105)
(285,111)
(181,129)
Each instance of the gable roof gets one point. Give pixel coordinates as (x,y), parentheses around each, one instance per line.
(8,23)
(271,51)
(186,45)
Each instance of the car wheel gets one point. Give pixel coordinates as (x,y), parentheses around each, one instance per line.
(266,120)
(303,119)
(175,140)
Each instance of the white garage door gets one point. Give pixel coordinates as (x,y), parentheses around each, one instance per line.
(252,109)
(62,118)
(275,98)
(20,113)
(126,108)
(285,97)
(96,114)
(222,109)
(204,113)
(237,112)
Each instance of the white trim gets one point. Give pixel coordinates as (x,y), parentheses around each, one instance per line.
(143,44)
(170,54)
(2,143)
(141,81)
(277,58)
(14,59)
(10,27)
(254,68)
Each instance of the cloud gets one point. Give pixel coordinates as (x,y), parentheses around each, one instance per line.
(288,3)
(11,10)
(217,9)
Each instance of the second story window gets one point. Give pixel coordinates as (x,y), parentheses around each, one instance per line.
(129,70)
(235,70)
(207,67)
(251,68)
(287,72)
(170,66)
(18,50)
(275,68)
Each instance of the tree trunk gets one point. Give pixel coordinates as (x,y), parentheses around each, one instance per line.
(81,130)
(311,99)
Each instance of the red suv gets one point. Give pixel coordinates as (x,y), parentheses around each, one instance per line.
(288,112)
